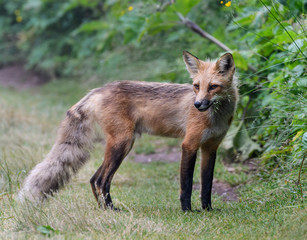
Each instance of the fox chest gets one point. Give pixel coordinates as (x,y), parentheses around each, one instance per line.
(216,132)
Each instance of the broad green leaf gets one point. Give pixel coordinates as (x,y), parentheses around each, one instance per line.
(93,26)
(247,19)
(302,82)
(260,17)
(298,70)
(159,22)
(275,78)
(266,49)
(130,34)
(183,6)
(265,32)
(105,41)
(239,60)
(238,139)
(299,43)
(284,37)
(244,144)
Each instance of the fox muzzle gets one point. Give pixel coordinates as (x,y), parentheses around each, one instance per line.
(203,105)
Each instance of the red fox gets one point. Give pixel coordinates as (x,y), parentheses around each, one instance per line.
(200,114)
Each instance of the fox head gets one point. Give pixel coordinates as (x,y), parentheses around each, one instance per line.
(212,81)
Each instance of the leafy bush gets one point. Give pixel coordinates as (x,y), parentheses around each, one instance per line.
(276,34)
(70,37)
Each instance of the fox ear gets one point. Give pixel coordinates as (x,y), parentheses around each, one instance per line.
(191,62)
(225,64)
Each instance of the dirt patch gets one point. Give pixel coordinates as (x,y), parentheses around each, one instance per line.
(223,189)
(252,164)
(161,155)
(220,188)
(16,76)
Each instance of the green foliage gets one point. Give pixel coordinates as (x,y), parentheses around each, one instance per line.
(238,144)
(276,42)
(75,37)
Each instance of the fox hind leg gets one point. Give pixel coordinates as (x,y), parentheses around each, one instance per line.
(116,150)
(93,182)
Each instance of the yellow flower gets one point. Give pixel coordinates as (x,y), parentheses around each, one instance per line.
(17,12)
(222,2)
(19,19)
(130,8)
(228,4)
(122,12)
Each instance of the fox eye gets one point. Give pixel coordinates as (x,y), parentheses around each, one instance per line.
(196,86)
(213,87)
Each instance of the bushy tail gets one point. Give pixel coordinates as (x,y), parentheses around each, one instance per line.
(67,156)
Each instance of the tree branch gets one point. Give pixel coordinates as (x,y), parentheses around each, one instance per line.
(195,28)
(163,5)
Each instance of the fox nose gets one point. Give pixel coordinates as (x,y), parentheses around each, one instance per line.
(197,104)
(205,102)
(203,105)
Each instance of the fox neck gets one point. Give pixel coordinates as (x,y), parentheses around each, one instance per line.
(222,110)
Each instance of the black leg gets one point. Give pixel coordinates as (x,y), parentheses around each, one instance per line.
(207,168)
(186,178)
(101,181)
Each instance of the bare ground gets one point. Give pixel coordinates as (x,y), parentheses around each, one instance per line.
(161,155)
(173,154)
(17,77)
(223,189)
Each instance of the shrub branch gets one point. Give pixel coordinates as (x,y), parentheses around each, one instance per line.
(195,28)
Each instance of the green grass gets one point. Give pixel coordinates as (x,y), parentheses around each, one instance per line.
(147,193)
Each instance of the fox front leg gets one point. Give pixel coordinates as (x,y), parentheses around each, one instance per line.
(186,175)
(208,156)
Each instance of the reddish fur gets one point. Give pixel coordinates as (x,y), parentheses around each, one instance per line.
(125,109)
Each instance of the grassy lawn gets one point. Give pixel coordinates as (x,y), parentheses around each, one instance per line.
(147,193)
